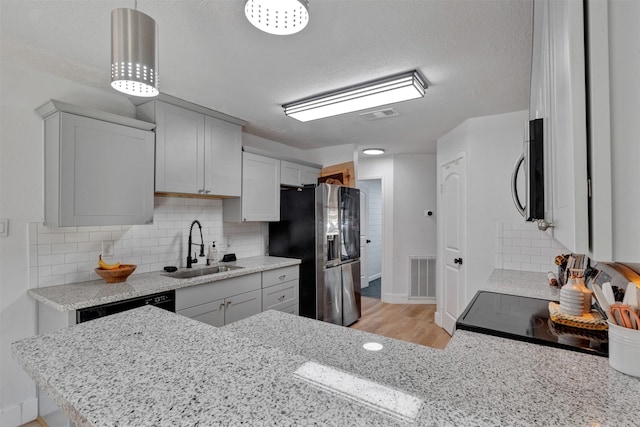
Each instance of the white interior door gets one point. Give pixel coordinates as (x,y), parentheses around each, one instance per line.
(453,238)
(364,241)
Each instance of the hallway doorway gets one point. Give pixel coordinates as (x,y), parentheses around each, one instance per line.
(373,211)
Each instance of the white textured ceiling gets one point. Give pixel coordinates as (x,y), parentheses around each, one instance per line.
(474,54)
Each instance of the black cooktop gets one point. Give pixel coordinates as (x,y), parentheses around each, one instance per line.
(527,319)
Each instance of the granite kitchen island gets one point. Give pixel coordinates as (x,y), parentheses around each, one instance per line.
(149,367)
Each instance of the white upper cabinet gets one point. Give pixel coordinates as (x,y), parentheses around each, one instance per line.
(260,199)
(223,157)
(98,167)
(297,175)
(558,96)
(614,108)
(195,153)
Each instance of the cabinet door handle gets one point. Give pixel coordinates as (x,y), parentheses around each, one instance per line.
(201,190)
(222,305)
(281,298)
(228,303)
(282,277)
(207,191)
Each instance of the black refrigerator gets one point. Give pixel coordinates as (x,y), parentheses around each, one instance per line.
(320,224)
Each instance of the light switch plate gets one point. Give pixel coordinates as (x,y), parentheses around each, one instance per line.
(4,227)
(107,248)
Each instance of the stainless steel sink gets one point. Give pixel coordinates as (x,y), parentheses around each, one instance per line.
(186,274)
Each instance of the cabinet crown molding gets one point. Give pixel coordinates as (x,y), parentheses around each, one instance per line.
(137,101)
(54,106)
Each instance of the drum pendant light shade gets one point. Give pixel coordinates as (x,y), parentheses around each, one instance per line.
(134,53)
(280,17)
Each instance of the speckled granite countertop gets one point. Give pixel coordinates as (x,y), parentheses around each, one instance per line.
(524,283)
(88,294)
(151,367)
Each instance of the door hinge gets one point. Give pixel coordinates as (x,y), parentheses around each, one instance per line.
(589,187)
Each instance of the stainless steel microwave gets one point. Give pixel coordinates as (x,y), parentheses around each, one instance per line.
(531,162)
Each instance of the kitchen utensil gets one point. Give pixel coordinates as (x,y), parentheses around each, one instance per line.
(625,316)
(607,290)
(631,295)
(116,275)
(624,346)
(602,300)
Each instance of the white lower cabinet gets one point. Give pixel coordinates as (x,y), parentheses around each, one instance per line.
(211,313)
(226,301)
(222,302)
(280,289)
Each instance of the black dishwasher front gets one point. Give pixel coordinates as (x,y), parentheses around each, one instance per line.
(165,300)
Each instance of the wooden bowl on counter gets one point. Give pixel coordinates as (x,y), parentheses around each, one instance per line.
(116,275)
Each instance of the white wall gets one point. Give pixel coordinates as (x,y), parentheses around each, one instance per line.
(497,236)
(64,255)
(414,233)
(408,189)
(23,89)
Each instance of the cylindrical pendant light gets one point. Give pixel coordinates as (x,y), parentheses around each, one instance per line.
(134,53)
(280,17)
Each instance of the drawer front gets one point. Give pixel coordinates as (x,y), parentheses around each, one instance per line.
(280,296)
(240,307)
(207,292)
(292,309)
(280,275)
(211,313)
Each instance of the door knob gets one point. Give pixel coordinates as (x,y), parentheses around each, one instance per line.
(457,261)
(368,241)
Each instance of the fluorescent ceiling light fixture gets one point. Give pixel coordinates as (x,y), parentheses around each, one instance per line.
(134,53)
(373,151)
(280,17)
(389,90)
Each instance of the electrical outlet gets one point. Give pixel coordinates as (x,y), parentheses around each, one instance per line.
(107,248)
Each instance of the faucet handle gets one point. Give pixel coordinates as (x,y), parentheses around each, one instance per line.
(194,260)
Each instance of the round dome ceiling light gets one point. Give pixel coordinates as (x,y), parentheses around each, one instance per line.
(373,151)
(280,17)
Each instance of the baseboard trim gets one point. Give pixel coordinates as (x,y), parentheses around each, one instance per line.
(18,414)
(403,299)
(375,276)
(437,318)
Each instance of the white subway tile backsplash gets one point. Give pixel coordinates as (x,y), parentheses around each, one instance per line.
(530,251)
(521,258)
(76,237)
(64,268)
(525,248)
(44,239)
(541,243)
(64,248)
(60,255)
(99,236)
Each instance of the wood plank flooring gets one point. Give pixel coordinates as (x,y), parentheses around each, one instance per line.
(407,322)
